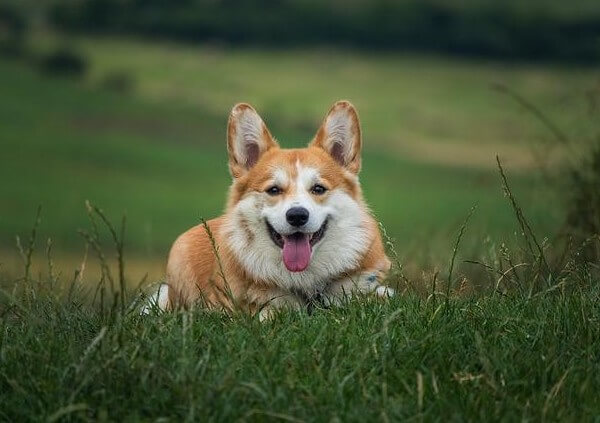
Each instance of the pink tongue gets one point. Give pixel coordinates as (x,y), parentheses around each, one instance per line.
(296,252)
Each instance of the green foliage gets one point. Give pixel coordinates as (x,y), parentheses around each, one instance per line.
(13,26)
(537,29)
(580,192)
(63,61)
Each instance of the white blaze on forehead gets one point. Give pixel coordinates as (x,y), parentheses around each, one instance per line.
(307,176)
(280,177)
(300,196)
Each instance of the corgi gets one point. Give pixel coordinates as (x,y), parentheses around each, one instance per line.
(296,229)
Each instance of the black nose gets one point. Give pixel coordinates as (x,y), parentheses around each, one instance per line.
(297,216)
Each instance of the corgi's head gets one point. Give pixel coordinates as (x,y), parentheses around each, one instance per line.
(296,214)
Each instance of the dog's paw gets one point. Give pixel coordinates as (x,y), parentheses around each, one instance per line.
(385,291)
(157,302)
(266,314)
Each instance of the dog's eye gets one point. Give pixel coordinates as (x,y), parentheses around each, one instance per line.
(274,190)
(318,189)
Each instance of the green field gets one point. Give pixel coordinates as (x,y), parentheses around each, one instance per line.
(432,128)
(511,335)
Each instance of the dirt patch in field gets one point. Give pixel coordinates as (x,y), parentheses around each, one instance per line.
(471,154)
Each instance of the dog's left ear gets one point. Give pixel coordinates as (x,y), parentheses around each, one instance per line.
(247,139)
(339,135)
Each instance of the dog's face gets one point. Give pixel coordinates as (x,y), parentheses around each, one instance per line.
(297,216)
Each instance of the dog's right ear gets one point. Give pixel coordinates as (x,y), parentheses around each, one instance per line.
(339,135)
(247,139)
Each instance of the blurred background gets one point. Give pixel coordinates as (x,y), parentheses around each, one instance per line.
(124,103)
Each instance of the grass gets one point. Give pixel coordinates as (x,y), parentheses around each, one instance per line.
(492,357)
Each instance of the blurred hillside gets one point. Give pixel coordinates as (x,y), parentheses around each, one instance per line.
(509,29)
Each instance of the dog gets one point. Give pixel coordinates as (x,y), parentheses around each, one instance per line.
(296,229)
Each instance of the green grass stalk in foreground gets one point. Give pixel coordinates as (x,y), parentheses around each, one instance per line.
(461,232)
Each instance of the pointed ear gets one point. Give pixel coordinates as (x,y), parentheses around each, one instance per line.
(339,135)
(247,139)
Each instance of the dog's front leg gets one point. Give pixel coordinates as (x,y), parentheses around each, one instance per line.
(275,299)
(360,283)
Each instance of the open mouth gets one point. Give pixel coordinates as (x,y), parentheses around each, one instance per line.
(315,237)
(296,247)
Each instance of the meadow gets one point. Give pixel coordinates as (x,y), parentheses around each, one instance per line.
(496,319)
